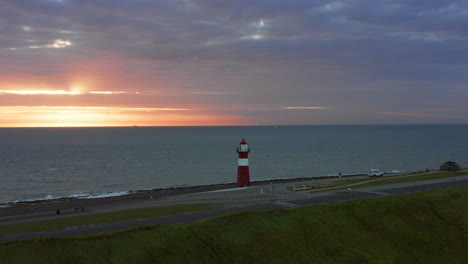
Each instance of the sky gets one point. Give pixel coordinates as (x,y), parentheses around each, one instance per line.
(238,62)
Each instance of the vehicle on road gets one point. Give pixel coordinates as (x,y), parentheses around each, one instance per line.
(375,173)
(450,166)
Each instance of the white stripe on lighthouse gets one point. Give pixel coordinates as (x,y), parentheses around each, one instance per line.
(243,162)
(244,148)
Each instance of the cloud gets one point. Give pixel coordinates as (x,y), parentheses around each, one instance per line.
(107,92)
(207,93)
(305,108)
(363,55)
(405,114)
(60,43)
(300,29)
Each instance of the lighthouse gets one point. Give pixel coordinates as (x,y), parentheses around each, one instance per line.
(243,176)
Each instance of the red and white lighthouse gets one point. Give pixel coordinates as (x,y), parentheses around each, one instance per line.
(243,176)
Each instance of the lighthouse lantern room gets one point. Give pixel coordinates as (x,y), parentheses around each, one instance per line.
(243,176)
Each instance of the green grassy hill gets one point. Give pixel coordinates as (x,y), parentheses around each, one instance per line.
(429,227)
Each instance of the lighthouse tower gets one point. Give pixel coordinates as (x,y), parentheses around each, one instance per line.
(243,176)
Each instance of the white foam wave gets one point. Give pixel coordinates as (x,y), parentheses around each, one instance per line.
(102,195)
(76,195)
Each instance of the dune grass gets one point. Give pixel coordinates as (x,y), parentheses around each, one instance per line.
(428,227)
(101,218)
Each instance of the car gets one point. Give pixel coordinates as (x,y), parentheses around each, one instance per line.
(375,173)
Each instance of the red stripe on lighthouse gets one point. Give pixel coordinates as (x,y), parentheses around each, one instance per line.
(243,175)
(243,155)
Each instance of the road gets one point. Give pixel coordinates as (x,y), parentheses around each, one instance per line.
(262,197)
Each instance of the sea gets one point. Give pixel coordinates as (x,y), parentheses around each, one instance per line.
(49,163)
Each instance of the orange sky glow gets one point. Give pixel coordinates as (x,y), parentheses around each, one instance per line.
(46,116)
(99,93)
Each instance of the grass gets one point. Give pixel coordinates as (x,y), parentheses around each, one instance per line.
(421,177)
(426,227)
(379,181)
(101,218)
(327,184)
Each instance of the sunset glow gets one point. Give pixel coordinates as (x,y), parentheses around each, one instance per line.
(32,92)
(57,92)
(71,116)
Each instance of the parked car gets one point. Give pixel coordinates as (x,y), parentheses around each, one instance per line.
(375,173)
(450,166)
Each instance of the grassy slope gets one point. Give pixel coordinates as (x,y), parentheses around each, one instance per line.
(416,228)
(421,177)
(383,181)
(101,218)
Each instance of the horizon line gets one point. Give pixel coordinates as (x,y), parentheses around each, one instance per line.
(135,126)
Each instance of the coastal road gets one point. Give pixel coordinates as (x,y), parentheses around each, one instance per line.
(278,200)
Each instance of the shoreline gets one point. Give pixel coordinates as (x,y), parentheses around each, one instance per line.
(159,192)
(205,194)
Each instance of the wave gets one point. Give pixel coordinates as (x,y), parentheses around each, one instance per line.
(103,195)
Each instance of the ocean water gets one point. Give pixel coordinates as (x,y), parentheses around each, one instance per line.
(43,163)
